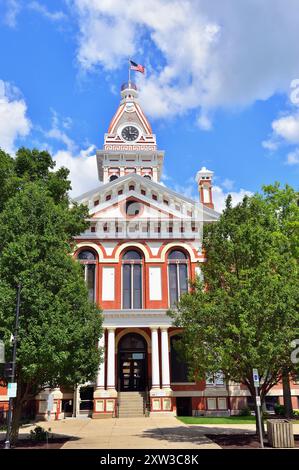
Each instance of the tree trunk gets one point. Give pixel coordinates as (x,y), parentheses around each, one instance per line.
(15,425)
(287,399)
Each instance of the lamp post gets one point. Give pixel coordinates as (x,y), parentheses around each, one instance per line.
(14,355)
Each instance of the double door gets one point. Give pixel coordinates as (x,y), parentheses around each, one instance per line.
(132,369)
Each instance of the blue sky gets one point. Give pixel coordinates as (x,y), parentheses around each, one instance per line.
(217,89)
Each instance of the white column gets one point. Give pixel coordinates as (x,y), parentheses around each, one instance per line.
(101,370)
(111,359)
(155,359)
(165,358)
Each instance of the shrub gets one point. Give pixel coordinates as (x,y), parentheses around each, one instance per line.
(279,409)
(39,434)
(245,411)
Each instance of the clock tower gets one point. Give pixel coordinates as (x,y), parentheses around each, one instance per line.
(129,145)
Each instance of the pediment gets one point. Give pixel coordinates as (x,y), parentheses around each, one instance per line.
(158,199)
(133,207)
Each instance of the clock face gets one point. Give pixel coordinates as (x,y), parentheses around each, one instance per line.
(130,133)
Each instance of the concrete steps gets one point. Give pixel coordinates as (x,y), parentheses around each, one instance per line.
(131,404)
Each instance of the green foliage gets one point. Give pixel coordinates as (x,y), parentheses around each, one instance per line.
(279,409)
(59,327)
(245,411)
(246,314)
(39,434)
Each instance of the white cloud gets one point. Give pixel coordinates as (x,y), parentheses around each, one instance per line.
(12,10)
(219,197)
(210,54)
(82,166)
(42,9)
(293,157)
(272,144)
(287,128)
(204,122)
(228,184)
(57,131)
(14,122)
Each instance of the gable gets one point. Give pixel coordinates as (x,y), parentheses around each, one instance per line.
(134,207)
(156,195)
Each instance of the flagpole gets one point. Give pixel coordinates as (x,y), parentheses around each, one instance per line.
(129,72)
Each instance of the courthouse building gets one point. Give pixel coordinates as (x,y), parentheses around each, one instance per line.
(142,247)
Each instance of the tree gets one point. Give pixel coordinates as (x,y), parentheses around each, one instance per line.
(59,327)
(245,315)
(287,210)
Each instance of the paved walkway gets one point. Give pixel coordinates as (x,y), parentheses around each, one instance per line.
(129,433)
(161,432)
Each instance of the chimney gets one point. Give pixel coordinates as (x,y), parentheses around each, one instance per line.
(204,181)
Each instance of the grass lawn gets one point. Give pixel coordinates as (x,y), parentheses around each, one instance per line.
(217,420)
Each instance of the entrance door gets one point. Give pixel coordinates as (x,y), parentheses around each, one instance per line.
(132,371)
(132,363)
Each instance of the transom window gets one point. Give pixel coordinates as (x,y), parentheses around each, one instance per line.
(132,280)
(177,275)
(88,259)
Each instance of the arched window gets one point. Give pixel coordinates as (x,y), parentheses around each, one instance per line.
(132,280)
(88,259)
(131,342)
(179,369)
(113,177)
(177,275)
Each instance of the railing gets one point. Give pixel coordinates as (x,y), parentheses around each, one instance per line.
(117,399)
(146,401)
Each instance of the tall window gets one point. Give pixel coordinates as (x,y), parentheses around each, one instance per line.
(132,280)
(177,275)
(88,260)
(179,369)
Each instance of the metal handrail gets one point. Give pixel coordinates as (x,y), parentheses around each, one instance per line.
(146,402)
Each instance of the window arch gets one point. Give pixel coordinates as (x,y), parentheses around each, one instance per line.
(177,275)
(132,341)
(113,177)
(132,279)
(88,260)
(86,255)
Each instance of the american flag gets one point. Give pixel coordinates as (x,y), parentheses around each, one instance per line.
(137,67)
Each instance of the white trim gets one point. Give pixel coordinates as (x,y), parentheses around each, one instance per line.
(135,318)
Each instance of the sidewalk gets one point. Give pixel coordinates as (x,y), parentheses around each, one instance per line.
(128,433)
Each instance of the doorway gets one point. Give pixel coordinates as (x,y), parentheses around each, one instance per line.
(184,406)
(132,361)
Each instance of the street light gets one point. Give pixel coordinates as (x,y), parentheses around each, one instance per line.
(14,355)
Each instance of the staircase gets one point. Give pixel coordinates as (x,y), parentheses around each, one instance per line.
(131,404)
